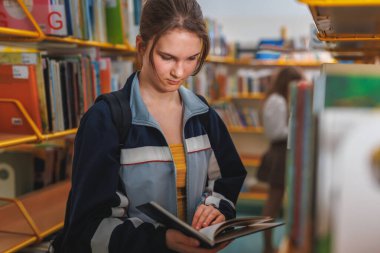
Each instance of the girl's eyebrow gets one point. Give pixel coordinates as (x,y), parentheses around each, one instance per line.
(167,54)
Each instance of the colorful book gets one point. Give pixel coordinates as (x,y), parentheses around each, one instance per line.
(105,75)
(51,17)
(19,82)
(114,22)
(343,85)
(30,58)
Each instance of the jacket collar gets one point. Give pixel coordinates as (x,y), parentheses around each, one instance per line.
(193,105)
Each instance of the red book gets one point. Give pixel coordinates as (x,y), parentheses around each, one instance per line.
(18,82)
(105,75)
(50,17)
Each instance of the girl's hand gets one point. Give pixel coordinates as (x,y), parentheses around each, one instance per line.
(177,241)
(205,216)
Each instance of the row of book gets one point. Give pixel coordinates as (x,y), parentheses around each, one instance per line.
(27,167)
(218,42)
(114,21)
(333,161)
(238,116)
(55,89)
(217,81)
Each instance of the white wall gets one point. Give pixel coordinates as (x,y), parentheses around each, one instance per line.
(249,20)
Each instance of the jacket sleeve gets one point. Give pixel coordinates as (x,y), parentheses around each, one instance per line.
(226,172)
(96,214)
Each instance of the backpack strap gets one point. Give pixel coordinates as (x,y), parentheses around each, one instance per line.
(121,113)
(205,117)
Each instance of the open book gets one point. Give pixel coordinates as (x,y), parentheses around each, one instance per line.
(211,235)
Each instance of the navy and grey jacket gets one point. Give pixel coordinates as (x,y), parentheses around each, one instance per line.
(108,183)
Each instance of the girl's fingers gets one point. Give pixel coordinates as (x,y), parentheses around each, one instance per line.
(219,219)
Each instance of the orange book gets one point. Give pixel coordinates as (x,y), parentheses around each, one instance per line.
(18,82)
(105,75)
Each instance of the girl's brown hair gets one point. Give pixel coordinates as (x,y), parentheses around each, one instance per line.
(282,80)
(161,16)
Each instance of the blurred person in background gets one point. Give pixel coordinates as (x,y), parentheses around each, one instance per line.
(275,113)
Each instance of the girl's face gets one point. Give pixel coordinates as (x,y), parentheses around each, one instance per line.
(175,57)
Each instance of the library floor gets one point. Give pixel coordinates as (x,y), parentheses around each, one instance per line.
(252,243)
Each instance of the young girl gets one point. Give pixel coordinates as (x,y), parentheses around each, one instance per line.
(169,156)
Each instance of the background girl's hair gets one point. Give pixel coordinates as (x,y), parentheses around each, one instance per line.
(161,16)
(282,80)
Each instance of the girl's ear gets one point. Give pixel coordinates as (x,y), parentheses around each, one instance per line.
(141,48)
(140,44)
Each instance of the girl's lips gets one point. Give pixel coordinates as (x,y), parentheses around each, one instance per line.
(174,82)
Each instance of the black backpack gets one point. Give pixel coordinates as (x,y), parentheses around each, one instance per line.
(121,113)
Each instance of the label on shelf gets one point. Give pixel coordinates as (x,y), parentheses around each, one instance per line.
(20,72)
(111,3)
(28,58)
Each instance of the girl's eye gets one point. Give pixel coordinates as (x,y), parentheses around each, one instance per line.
(166,58)
(192,58)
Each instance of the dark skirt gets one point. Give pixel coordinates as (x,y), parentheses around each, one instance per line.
(273,164)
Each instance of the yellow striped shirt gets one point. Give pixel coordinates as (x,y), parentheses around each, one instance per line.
(178,153)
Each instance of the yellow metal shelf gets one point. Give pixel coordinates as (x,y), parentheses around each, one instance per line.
(4,31)
(254,96)
(345,20)
(221,59)
(104,45)
(261,63)
(32,217)
(286,63)
(252,195)
(251,162)
(39,36)
(340,2)
(8,140)
(242,129)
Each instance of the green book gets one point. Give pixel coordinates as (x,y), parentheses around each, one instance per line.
(341,85)
(114,22)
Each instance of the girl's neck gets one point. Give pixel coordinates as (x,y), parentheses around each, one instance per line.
(151,95)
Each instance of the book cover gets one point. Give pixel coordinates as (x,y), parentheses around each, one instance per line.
(99,20)
(19,82)
(30,58)
(51,17)
(105,75)
(114,22)
(343,85)
(212,235)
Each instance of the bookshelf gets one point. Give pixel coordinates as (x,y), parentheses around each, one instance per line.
(31,217)
(340,20)
(348,27)
(8,140)
(249,139)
